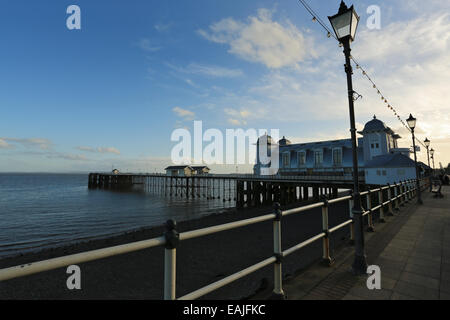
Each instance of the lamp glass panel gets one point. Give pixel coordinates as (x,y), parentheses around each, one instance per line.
(412,123)
(341,24)
(355,20)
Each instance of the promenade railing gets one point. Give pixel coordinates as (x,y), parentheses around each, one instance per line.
(388,198)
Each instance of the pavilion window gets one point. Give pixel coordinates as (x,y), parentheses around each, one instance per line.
(286,160)
(337,157)
(318,158)
(301,158)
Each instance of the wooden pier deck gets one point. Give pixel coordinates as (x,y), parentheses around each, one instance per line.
(244,189)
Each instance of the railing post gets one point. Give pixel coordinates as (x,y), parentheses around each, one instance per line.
(409,189)
(370,227)
(380,202)
(397,200)
(352,225)
(391,212)
(170,260)
(278,251)
(402,194)
(406,190)
(415,180)
(327,260)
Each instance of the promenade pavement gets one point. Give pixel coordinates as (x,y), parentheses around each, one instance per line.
(412,250)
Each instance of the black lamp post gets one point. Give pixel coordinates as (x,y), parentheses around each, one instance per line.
(432,157)
(427,145)
(345,23)
(412,125)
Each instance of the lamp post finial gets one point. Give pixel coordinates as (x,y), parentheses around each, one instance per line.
(343,7)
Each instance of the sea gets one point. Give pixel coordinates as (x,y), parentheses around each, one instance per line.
(42,210)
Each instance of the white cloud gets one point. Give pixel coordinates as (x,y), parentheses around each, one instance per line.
(40,143)
(146,45)
(420,7)
(88,149)
(208,70)
(404,42)
(108,150)
(262,40)
(191,83)
(235,122)
(282,96)
(68,156)
(409,60)
(237,113)
(4,144)
(163,27)
(183,113)
(99,150)
(237,117)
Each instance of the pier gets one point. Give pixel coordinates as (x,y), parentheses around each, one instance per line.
(244,189)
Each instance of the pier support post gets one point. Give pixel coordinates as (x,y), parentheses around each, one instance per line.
(306,193)
(335,193)
(316,193)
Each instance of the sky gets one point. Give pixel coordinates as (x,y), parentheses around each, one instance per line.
(112,93)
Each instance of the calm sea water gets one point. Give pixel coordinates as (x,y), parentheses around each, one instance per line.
(45,210)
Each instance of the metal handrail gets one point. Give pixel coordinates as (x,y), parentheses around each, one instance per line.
(55,263)
(403,192)
(223,227)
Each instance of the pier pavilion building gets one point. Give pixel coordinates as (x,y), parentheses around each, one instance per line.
(380,159)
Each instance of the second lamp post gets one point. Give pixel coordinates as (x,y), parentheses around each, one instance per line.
(412,125)
(432,157)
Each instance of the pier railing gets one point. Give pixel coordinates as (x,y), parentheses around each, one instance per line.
(326,176)
(388,199)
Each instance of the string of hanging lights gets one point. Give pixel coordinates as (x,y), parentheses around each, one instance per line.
(359,67)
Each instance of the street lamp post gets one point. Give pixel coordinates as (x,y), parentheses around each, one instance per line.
(427,145)
(412,125)
(432,157)
(345,23)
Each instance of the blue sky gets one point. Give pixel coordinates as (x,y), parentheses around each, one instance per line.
(113,92)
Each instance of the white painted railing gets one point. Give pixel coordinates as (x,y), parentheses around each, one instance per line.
(402,192)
